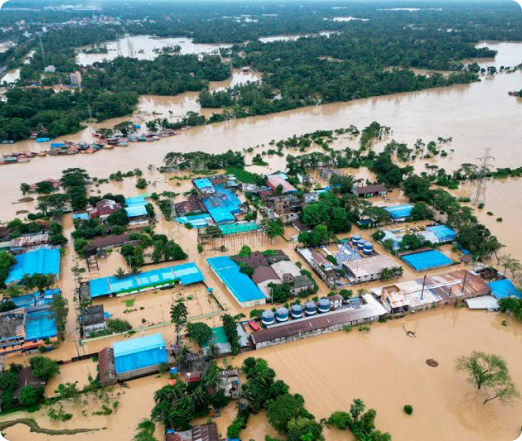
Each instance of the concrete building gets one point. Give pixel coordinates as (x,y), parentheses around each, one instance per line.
(368,269)
(103,209)
(230,383)
(369,191)
(76,79)
(140,356)
(93,319)
(276,181)
(368,310)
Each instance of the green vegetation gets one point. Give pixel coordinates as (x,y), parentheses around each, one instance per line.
(44,368)
(6,262)
(408,409)
(511,305)
(285,412)
(488,372)
(59,311)
(229,326)
(118,325)
(176,406)
(179,316)
(360,422)
(145,431)
(200,333)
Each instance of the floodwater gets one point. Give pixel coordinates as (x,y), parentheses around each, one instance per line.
(477,116)
(387,370)
(330,372)
(350,18)
(142,47)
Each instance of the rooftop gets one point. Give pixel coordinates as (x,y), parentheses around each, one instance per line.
(42,261)
(186,274)
(370,265)
(264,274)
(275,181)
(241,286)
(92,315)
(505,288)
(371,308)
(377,188)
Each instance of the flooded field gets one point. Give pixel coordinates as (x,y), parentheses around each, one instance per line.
(143,47)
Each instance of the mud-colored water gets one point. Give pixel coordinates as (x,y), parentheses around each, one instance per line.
(143,46)
(477,116)
(384,367)
(387,370)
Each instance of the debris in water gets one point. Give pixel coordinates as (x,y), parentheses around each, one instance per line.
(410,334)
(431,362)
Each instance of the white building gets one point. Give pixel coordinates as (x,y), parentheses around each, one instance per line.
(369,268)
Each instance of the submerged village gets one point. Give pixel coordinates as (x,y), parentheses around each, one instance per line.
(260,221)
(174,286)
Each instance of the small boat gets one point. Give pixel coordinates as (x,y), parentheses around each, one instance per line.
(108,146)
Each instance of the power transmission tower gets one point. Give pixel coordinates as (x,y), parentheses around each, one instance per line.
(478,189)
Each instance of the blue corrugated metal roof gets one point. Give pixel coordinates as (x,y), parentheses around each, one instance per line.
(426,260)
(399,211)
(40,325)
(35,299)
(503,289)
(42,261)
(202,183)
(138,200)
(221,215)
(186,274)
(136,211)
(82,216)
(444,233)
(239,284)
(138,353)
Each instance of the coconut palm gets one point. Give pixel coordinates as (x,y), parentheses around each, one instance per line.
(120,273)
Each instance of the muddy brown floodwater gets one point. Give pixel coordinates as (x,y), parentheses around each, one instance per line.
(383,367)
(477,116)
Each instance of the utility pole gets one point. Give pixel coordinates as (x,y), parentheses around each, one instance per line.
(478,189)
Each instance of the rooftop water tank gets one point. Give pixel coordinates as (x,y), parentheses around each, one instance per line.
(360,244)
(281,314)
(296,311)
(368,248)
(324,305)
(356,239)
(310,308)
(267,318)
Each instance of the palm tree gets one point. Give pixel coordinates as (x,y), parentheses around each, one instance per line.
(120,273)
(199,396)
(183,354)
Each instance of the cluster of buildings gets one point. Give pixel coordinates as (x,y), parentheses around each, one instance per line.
(347,263)
(29,326)
(396,300)
(267,269)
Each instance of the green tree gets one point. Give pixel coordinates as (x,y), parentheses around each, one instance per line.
(24,188)
(283,409)
(339,419)
(59,311)
(179,316)
(44,368)
(488,371)
(199,332)
(304,429)
(29,396)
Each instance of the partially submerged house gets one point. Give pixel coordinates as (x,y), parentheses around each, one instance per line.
(369,191)
(93,319)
